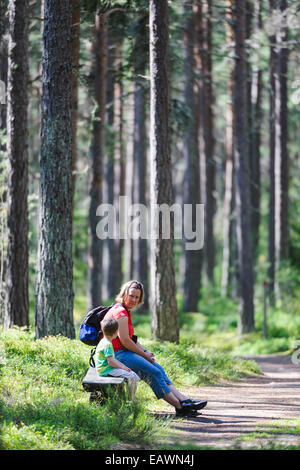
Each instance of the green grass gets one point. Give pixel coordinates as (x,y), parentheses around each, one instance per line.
(215,325)
(282,428)
(43,404)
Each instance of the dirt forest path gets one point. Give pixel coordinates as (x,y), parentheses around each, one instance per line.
(237,410)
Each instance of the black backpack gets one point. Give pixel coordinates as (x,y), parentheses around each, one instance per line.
(90,330)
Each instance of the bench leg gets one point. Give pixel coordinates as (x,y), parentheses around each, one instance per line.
(100,396)
(97,397)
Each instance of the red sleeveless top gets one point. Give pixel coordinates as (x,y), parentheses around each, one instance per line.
(118,311)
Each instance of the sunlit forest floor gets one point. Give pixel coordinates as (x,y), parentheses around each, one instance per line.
(258,412)
(43,404)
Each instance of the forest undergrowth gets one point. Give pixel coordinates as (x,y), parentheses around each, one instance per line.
(43,404)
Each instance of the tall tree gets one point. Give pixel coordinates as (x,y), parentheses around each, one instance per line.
(255,131)
(110,151)
(281,139)
(141,58)
(74,102)
(120,157)
(3,175)
(99,79)
(17,309)
(207,125)
(3,64)
(228,204)
(191,187)
(241,159)
(54,291)
(164,315)
(271,219)
(279,159)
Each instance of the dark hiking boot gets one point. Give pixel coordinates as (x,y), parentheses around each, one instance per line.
(196,404)
(186,409)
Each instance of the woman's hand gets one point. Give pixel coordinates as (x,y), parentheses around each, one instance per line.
(149,356)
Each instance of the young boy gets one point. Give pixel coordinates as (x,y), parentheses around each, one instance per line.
(106,364)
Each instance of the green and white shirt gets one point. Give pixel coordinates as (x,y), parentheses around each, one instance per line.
(103,351)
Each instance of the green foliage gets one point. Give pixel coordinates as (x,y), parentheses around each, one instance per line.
(43,405)
(3,217)
(190,363)
(214,326)
(195,360)
(274,430)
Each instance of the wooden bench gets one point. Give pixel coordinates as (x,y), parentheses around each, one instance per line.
(99,387)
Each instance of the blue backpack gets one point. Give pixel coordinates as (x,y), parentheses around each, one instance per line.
(90,330)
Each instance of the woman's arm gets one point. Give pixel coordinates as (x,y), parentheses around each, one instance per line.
(127,341)
(145,350)
(117,364)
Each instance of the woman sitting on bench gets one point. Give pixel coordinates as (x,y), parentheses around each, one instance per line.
(141,361)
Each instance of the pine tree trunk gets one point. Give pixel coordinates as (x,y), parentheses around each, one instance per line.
(191,187)
(3,68)
(140,157)
(75,64)
(97,155)
(112,289)
(271,219)
(284,157)
(140,145)
(120,159)
(17,300)
(241,158)
(54,291)
(3,133)
(229,170)
(208,128)
(281,159)
(164,320)
(256,115)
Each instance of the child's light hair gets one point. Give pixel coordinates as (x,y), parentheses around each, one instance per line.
(124,291)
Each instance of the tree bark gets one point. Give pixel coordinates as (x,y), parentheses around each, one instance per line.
(17,299)
(271,219)
(208,132)
(141,57)
(74,93)
(164,316)
(112,289)
(283,113)
(3,133)
(281,159)
(228,204)
(255,137)
(3,66)
(97,154)
(241,158)
(140,158)
(191,186)
(120,159)
(54,290)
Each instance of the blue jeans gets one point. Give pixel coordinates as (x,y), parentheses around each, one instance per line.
(153,374)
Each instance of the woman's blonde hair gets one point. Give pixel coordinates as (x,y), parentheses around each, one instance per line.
(124,291)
